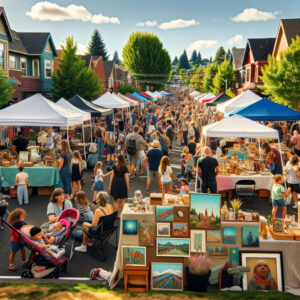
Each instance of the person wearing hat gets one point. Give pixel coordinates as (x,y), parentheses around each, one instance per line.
(20,143)
(153,158)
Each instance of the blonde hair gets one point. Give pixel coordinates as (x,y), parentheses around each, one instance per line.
(277,178)
(77,155)
(98,166)
(81,199)
(163,164)
(65,147)
(185,150)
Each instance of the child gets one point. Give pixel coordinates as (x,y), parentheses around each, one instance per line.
(184,190)
(16,215)
(292,179)
(98,173)
(192,146)
(166,175)
(37,237)
(140,164)
(56,231)
(22,182)
(278,194)
(76,166)
(83,207)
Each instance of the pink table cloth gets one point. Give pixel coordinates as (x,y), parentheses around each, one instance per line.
(224,183)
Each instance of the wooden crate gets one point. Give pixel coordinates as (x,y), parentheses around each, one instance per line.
(45,190)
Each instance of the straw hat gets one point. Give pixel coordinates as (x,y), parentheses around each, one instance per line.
(155,144)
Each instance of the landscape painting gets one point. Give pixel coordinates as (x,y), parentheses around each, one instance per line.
(198,241)
(163,229)
(133,256)
(164,213)
(166,276)
(229,235)
(250,236)
(214,236)
(180,229)
(216,251)
(130,226)
(205,211)
(176,247)
(146,235)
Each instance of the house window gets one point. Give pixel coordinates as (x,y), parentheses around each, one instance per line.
(35,68)
(12,62)
(2,55)
(24,65)
(247,74)
(48,68)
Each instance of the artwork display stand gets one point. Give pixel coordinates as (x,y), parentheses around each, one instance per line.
(137,276)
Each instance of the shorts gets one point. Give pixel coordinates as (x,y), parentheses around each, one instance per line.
(16,246)
(152,175)
(110,149)
(133,159)
(295,187)
(99,186)
(279,203)
(167,182)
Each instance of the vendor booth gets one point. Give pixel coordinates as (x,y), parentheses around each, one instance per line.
(219,99)
(131,102)
(109,100)
(207,98)
(137,95)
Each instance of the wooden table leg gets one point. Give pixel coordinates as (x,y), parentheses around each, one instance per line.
(229,194)
(125,282)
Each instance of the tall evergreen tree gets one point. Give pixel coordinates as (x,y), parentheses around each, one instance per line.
(72,77)
(6,89)
(116,58)
(199,58)
(194,57)
(175,61)
(220,55)
(97,46)
(183,62)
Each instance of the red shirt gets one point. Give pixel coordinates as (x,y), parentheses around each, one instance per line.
(14,236)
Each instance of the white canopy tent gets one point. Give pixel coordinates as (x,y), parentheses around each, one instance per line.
(195,94)
(208,96)
(109,100)
(157,94)
(130,101)
(154,96)
(242,100)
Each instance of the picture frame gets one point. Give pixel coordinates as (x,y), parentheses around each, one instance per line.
(180,229)
(173,247)
(139,254)
(130,227)
(163,229)
(198,241)
(278,225)
(213,236)
(205,211)
(23,157)
(164,213)
(229,235)
(146,234)
(160,271)
(216,250)
(250,236)
(267,266)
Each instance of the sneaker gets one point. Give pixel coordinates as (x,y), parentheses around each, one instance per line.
(95,273)
(60,253)
(12,267)
(81,248)
(90,244)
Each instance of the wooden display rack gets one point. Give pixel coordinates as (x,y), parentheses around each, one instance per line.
(280,235)
(295,232)
(138,276)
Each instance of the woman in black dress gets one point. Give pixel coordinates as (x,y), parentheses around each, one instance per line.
(119,182)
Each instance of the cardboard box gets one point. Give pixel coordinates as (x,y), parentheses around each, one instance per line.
(263,194)
(45,190)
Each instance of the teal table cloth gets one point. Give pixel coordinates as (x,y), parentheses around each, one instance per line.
(38,176)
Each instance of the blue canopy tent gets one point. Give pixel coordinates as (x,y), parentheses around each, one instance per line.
(266,110)
(137,95)
(167,94)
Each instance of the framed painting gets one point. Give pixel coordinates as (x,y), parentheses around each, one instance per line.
(23,157)
(130,226)
(217,251)
(250,236)
(146,234)
(134,256)
(198,239)
(278,225)
(266,270)
(205,211)
(180,229)
(213,236)
(173,247)
(229,235)
(163,229)
(164,213)
(167,276)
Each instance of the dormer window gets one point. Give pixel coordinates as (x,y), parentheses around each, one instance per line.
(2,56)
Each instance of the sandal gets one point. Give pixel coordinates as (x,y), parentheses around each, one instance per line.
(12,267)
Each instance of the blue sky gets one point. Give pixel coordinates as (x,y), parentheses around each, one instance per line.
(206,25)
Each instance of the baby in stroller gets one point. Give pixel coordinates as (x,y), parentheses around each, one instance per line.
(57,231)
(37,237)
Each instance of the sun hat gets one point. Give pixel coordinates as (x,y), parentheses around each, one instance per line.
(155,144)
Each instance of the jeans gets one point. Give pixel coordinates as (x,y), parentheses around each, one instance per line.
(65,175)
(211,185)
(275,169)
(100,147)
(22,193)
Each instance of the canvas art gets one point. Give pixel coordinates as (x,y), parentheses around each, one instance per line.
(133,256)
(146,234)
(23,156)
(229,235)
(198,241)
(278,225)
(167,276)
(213,236)
(164,213)
(250,236)
(216,251)
(205,211)
(176,247)
(130,226)
(234,257)
(266,270)
(163,229)
(180,229)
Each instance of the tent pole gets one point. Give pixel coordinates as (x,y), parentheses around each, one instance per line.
(279,147)
(68,133)
(83,138)
(91,127)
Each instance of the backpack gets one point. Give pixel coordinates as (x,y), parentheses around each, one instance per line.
(111,140)
(197,135)
(131,147)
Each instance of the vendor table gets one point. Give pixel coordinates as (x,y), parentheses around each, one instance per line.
(38,176)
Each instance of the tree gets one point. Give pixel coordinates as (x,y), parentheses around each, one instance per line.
(175,61)
(72,77)
(6,89)
(183,62)
(194,57)
(116,58)
(210,73)
(281,77)
(225,72)
(220,55)
(197,78)
(145,58)
(97,46)
(199,59)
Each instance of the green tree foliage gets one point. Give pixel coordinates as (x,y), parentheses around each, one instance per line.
(124,89)
(194,57)
(6,89)
(210,73)
(116,58)
(197,78)
(72,77)
(225,72)
(220,55)
(145,58)
(199,58)
(97,46)
(183,61)
(175,61)
(281,77)
(230,93)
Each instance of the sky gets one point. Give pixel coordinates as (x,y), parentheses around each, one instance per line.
(199,25)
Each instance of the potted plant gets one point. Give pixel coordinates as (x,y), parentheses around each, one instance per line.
(236,205)
(198,271)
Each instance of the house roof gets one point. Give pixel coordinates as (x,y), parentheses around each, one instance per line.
(108,67)
(238,55)
(291,28)
(3,14)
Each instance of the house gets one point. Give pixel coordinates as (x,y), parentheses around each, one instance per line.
(110,73)
(120,76)
(288,29)
(254,59)
(236,59)
(27,58)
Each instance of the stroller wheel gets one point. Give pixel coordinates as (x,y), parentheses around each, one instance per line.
(27,274)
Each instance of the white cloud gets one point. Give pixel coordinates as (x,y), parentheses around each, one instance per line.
(81,49)
(46,11)
(254,15)
(202,44)
(236,40)
(147,24)
(179,23)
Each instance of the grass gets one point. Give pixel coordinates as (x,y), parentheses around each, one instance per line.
(16,291)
